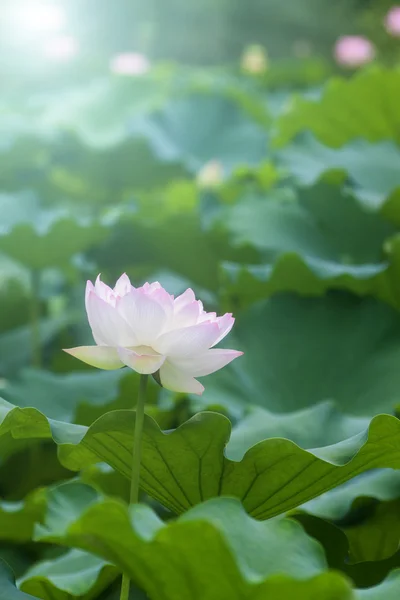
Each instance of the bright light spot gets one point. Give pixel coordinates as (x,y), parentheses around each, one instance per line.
(62,48)
(255,60)
(130,63)
(39,16)
(354,50)
(211,175)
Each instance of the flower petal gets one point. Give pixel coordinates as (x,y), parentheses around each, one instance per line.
(102,357)
(178,381)
(145,316)
(141,362)
(103,291)
(123,285)
(207,362)
(225,324)
(187,340)
(109,328)
(188,315)
(186,298)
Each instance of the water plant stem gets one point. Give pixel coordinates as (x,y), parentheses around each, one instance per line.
(136,456)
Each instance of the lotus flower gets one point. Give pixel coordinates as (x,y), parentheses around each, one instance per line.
(354,51)
(150,331)
(392,21)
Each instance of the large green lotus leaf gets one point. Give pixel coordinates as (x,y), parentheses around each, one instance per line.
(371,169)
(310,242)
(377,119)
(245,284)
(76,574)
(319,425)
(240,557)
(8,590)
(40,238)
(184,467)
(300,351)
(203,127)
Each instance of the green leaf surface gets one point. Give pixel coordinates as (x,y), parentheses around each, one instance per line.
(372,169)
(241,558)
(388,590)
(199,128)
(8,590)
(58,395)
(17,519)
(39,237)
(184,467)
(300,351)
(74,574)
(377,119)
(309,242)
(16,344)
(337,504)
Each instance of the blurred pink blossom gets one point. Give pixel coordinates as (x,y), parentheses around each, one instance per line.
(130,63)
(354,51)
(392,21)
(63,48)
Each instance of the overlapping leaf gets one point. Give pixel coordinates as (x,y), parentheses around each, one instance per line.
(39,237)
(241,557)
(189,465)
(343,113)
(300,351)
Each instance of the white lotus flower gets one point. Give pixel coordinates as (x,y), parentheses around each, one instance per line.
(150,331)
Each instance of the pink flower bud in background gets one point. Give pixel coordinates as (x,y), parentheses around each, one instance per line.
(255,60)
(354,51)
(211,175)
(150,331)
(130,63)
(392,21)
(61,48)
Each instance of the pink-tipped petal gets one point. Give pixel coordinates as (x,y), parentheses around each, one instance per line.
(225,324)
(186,298)
(141,361)
(149,288)
(165,300)
(178,381)
(123,285)
(109,328)
(188,341)
(89,289)
(102,357)
(103,291)
(207,362)
(188,315)
(144,314)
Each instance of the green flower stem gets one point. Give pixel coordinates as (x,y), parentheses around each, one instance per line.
(136,456)
(35,319)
